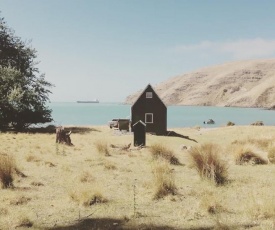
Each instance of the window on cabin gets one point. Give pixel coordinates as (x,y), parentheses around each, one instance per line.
(148,118)
(149,95)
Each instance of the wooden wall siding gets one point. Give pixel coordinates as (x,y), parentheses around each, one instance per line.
(139,130)
(152,105)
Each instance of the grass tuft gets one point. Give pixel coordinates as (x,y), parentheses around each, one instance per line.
(20,200)
(263,143)
(7,167)
(164,180)
(102,147)
(109,165)
(271,153)
(249,154)
(207,160)
(32,158)
(87,196)
(24,222)
(36,183)
(86,177)
(161,151)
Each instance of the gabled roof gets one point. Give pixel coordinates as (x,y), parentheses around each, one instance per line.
(141,122)
(148,86)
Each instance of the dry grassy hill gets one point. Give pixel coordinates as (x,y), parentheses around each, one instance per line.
(241,84)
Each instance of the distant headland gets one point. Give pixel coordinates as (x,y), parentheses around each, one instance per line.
(236,84)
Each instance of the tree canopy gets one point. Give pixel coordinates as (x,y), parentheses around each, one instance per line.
(23,90)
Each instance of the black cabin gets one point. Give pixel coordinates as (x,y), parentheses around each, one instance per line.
(150,109)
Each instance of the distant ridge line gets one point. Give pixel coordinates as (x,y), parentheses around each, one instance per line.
(247,83)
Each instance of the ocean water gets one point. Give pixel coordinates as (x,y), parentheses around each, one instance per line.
(72,113)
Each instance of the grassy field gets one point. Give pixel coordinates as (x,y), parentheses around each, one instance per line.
(100,184)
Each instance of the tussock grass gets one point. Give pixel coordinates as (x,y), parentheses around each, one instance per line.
(36,183)
(160,151)
(32,158)
(261,207)
(260,142)
(257,146)
(207,160)
(3,211)
(249,154)
(102,147)
(212,202)
(20,200)
(87,196)
(86,177)
(109,165)
(7,168)
(24,222)
(271,153)
(164,180)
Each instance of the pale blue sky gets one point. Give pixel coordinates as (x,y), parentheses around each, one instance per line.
(108,49)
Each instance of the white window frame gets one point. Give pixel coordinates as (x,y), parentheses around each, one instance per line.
(149,94)
(152,118)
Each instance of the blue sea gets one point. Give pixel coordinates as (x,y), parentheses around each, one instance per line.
(72,113)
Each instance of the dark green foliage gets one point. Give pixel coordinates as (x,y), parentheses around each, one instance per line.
(23,90)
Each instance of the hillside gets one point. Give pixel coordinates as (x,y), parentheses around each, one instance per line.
(241,84)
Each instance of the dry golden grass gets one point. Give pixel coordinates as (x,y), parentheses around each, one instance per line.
(23,222)
(102,147)
(32,158)
(86,177)
(109,165)
(164,180)
(7,169)
(249,154)
(271,153)
(211,203)
(20,200)
(207,160)
(160,151)
(87,195)
(80,185)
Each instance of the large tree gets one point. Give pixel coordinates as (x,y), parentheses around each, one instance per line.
(23,90)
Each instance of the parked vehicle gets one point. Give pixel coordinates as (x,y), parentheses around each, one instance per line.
(121,124)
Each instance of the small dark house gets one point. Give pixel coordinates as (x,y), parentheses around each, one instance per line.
(150,109)
(139,130)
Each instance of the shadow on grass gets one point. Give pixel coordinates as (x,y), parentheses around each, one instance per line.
(175,134)
(51,129)
(108,224)
(87,224)
(119,224)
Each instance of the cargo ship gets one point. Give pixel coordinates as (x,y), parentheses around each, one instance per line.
(93,101)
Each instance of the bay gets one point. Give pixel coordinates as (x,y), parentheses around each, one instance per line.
(72,113)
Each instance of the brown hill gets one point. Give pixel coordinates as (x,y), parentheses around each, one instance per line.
(241,84)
